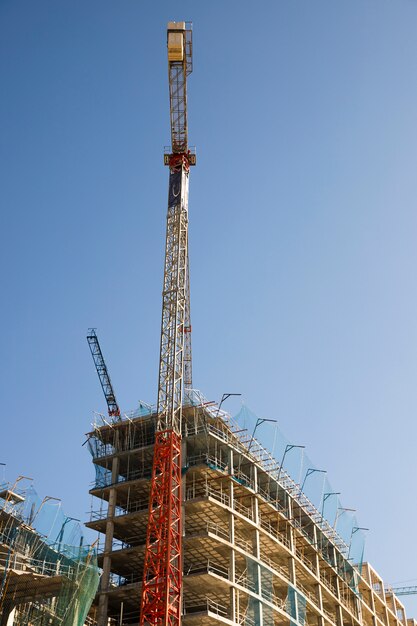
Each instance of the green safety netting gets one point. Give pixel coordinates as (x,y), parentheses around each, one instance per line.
(47,576)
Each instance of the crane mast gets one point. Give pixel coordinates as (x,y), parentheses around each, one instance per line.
(162,575)
(103,374)
(188,370)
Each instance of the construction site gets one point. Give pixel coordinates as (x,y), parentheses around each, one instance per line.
(198,522)
(255,549)
(47,575)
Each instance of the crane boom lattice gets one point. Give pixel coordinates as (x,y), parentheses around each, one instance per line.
(103,374)
(403,591)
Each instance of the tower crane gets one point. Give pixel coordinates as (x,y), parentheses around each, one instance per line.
(402,591)
(103,374)
(162,574)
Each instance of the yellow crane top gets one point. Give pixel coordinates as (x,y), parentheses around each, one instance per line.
(180,55)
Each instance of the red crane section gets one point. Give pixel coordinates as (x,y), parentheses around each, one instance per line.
(161,592)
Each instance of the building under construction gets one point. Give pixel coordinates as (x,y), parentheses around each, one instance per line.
(255,549)
(44,580)
(201,524)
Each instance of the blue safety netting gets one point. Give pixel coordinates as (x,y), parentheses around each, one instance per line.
(311,481)
(296,607)
(47,517)
(254,607)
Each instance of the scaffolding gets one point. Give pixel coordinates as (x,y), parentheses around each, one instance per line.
(259,547)
(43,579)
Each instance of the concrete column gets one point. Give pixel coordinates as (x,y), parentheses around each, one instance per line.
(256,544)
(233,599)
(291,560)
(316,562)
(103,599)
(358,605)
(371,595)
(339,615)
(339,612)
(291,563)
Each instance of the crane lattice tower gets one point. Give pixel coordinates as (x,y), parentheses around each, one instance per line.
(162,576)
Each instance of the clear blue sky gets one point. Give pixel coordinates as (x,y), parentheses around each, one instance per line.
(303,230)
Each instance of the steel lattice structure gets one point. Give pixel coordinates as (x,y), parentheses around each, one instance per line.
(162,575)
(174,299)
(402,591)
(179,69)
(188,370)
(103,374)
(161,591)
